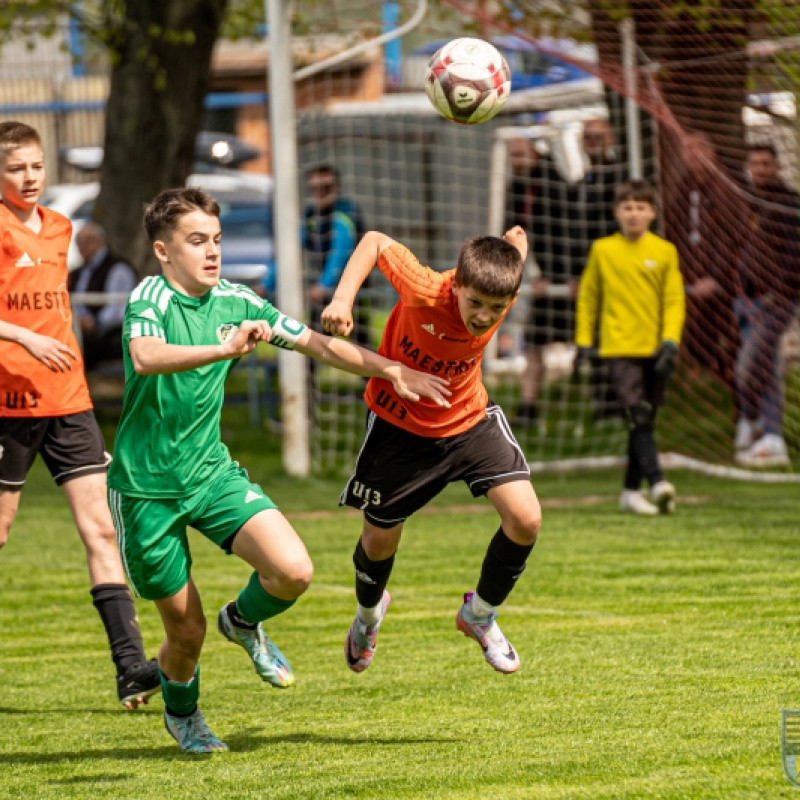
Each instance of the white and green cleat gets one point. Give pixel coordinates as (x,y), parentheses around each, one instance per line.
(193,734)
(270,663)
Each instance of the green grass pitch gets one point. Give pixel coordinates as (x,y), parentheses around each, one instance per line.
(656,657)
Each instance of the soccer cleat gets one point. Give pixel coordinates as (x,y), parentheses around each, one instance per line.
(497,650)
(362,639)
(271,665)
(192,733)
(636,503)
(139,682)
(662,494)
(769,451)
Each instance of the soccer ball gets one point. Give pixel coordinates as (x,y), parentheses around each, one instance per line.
(468,81)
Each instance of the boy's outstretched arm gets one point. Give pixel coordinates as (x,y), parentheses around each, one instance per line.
(154,356)
(337,318)
(408,383)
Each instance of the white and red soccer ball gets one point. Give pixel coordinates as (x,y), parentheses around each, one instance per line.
(468,81)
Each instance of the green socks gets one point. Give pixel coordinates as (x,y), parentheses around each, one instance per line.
(255,605)
(180,699)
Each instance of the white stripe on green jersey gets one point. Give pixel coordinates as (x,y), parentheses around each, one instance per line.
(225,288)
(168,441)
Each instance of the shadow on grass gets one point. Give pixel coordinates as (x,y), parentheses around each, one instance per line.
(245,740)
(61,712)
(93,779)
(242,742)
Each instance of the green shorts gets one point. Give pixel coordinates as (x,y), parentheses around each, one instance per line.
(151,534)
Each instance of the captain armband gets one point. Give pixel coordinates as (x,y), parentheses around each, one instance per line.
(285,332)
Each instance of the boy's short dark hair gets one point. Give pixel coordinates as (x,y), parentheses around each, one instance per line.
(324,169)
(161,215)
(763,147)
(641,191)
(491,266)
(15,134)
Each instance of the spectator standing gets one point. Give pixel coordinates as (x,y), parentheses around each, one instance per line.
(102,271)
(590,200)
(768,273)
(632,288)
(535,202)
(700,215)
(590,212)
(332,227)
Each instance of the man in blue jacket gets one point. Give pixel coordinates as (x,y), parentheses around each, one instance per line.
(332,227)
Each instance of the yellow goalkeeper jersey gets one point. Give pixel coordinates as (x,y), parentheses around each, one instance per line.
(635,290)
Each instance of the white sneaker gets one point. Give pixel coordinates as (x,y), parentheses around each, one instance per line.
(769,451)
(636,503)
(663,495)
(745,434)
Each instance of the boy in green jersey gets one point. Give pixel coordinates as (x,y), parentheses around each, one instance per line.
(183,332)
(632,289)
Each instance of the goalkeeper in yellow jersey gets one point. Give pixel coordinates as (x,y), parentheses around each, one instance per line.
(632,291)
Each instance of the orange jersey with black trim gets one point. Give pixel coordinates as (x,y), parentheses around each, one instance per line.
(425,331)
(33,295)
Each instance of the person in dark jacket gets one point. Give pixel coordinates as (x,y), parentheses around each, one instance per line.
(590,201)
(566,219)
(698,211)
(590,204)
(768,272)
(102,271)
(535,201)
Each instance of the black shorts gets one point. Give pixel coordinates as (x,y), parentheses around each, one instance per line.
(634,380)
(550,320)
(398,472)
(72,446)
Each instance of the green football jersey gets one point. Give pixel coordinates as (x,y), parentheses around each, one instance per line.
(168,441)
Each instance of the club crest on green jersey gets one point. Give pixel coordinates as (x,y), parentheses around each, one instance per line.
(226,332)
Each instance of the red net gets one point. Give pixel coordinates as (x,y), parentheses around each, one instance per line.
(714,85)
(697,97)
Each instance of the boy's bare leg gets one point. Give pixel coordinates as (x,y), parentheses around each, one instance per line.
(185,627)
(89,503)
(271,546)
(9,503)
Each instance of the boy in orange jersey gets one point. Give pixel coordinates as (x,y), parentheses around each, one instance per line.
(441,324)
(44,401)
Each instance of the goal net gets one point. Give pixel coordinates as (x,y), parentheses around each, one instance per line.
(683,95)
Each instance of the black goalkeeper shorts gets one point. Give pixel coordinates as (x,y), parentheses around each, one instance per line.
(634,381)
(398,472)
